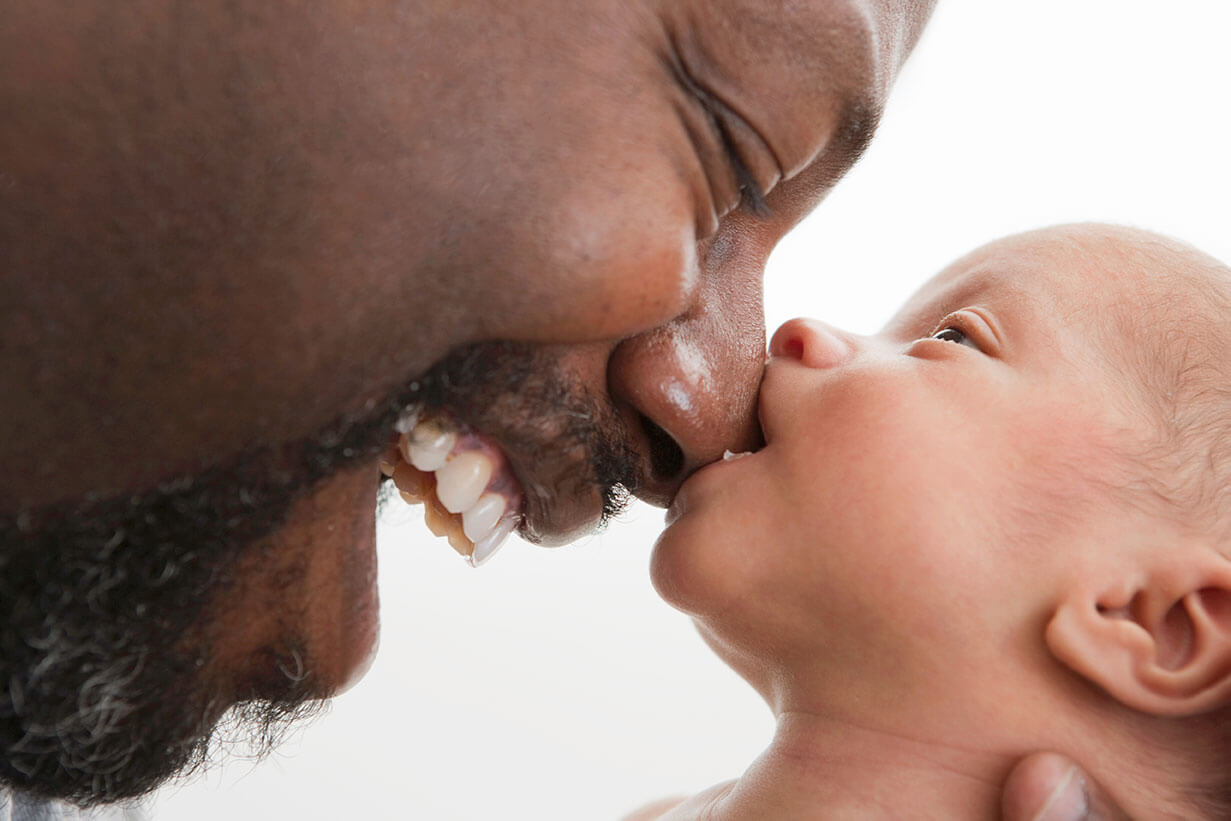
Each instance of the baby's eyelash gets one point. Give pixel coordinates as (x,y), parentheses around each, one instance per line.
(977,330)
(956,320)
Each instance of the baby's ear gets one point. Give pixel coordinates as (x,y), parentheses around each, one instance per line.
(1157,639)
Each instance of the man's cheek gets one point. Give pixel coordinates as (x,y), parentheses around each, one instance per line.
(604,265)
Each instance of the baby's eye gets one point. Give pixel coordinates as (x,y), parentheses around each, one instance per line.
(955,335)
(970,328)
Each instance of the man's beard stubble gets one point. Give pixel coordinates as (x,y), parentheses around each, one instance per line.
(519,394)
(103,602)
(102,636)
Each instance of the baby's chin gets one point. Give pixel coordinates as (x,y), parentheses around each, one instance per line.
(705,558)
(697,568)
(685,569)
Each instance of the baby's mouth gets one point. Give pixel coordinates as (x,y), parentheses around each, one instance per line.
(463,479)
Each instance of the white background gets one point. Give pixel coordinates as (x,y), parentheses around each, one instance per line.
(554,684)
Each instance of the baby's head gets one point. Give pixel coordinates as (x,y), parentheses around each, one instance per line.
(1002,523)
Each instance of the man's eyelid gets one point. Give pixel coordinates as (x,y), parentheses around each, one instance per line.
(717,112)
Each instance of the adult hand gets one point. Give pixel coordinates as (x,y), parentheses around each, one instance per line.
(1051,787)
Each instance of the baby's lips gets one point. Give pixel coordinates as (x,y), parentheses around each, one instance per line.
(470,495)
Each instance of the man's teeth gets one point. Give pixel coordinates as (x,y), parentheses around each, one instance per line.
(464,483)
(486,547)
(479,521)
(428,445)
(461,480)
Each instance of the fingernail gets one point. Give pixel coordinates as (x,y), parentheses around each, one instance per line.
(1068,801)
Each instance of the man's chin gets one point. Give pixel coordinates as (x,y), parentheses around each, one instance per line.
(113,685)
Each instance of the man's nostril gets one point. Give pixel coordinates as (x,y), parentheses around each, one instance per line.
(666,457)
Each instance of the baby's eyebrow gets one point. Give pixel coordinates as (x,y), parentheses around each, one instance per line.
(977,287)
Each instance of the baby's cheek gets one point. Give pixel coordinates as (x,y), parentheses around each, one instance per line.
(1068,460)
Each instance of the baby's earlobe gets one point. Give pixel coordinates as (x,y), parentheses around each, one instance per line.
(1164,648)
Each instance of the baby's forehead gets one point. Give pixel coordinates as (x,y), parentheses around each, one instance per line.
(1137,286)
(1008,279)
(1072,277)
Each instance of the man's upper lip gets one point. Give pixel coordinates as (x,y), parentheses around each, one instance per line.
(562,503)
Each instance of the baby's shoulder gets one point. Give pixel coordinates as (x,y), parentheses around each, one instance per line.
(681,808)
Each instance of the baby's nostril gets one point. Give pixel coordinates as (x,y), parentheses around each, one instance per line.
(666,457)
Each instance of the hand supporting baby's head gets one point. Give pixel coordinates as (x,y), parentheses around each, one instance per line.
(1001,524)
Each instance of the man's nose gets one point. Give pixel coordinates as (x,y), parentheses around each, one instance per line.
(813,343)
(693,382)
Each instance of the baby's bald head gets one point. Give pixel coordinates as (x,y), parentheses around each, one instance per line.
(1165,327)
(1173,343)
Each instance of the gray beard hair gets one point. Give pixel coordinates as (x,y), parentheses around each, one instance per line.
(101,653)
(104,618)
(104,604)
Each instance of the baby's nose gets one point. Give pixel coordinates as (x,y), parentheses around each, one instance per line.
(813,343)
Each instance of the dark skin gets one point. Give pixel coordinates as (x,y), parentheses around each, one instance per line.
(226,231)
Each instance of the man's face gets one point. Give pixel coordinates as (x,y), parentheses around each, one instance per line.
(238,242)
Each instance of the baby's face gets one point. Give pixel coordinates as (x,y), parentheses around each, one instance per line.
(923,493)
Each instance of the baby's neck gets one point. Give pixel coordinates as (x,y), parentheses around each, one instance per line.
(818,767)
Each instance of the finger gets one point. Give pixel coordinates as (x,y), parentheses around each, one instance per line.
(1050,787)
